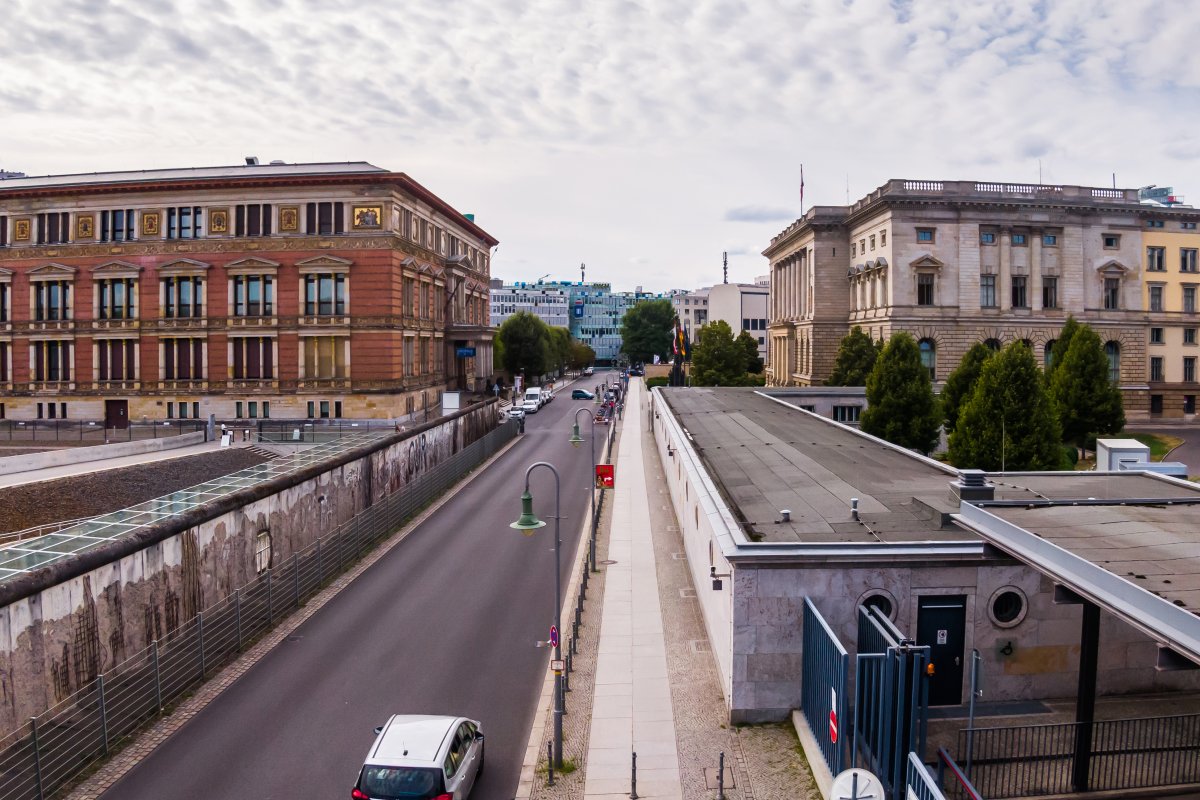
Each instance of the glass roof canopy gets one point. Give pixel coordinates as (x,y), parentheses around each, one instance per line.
(25,556)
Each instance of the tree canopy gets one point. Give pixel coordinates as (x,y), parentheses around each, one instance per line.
(582,355)
(1089,402)
(749,344)
(1010,422)
(960,384)
(1061,345)
(901,407)
(717,358)
(560,348)
(855,359)
(525,339)
(646,330)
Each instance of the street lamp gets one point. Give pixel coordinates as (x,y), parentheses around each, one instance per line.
(527,523)
(575,441)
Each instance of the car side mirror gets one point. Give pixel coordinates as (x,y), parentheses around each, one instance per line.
(479,736)
(378,729)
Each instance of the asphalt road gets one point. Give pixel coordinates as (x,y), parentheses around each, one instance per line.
(443,624)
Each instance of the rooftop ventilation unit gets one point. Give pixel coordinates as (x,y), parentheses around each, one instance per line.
(251,161)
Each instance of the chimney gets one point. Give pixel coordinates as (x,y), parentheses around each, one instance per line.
(972,486)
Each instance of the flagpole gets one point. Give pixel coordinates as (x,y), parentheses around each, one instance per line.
(802,190)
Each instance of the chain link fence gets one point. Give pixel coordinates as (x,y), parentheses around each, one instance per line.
(59,745)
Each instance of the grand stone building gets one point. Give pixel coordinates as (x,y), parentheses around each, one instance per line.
(280,290)
(957,262)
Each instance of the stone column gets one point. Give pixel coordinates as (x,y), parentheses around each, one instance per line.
(1004,289)
(1035,268)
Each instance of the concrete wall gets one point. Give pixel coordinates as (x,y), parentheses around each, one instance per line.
(82,455)
(63,625)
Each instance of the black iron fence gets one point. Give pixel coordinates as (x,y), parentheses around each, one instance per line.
(1035,760)
(826,668)
(78,430)
(55,747)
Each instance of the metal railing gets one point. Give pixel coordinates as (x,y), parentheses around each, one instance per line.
(56,746)
(826,667)
(78,430)
(38,530)
(1035,760)
(919,783)
(960,787)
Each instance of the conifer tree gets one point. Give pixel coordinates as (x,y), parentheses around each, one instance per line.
(855,359)
(961,382)
(901,407)
(1089,402)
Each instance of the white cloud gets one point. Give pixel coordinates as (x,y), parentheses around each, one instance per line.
(624,133)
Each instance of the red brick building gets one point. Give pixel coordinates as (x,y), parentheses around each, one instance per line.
(281,290)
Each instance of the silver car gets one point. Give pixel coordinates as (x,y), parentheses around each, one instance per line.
(422,757)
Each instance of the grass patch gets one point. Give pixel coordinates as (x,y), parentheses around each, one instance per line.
(568,767)
(1159,444)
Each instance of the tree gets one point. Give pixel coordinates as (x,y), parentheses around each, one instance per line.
(582,355)
(497,354)
(525,340)
(1061,345)
(1010,422)
(717,359)
(901,407)
(560,347)
(1088,401)
(646,330)
(855,358)
(961,383)
(748,343)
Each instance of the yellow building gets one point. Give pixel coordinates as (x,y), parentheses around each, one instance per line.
(1169,297)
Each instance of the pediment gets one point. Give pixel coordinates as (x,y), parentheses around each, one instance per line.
(5,275)
(1112,267)
(926,261)
(51,271)
(881,263)
(325,261)
(117,269)
(183,266)
(252,263)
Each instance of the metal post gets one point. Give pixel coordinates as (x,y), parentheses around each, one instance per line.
(37,759)
(721,777)
(971,710)
(633,779)
(157,675)
(103,712)
(558,693)
(200,625)
(549,764)
(237,606)
(296,576)
(1085,700)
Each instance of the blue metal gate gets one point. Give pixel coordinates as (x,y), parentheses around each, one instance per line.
(891,695)
(826,668)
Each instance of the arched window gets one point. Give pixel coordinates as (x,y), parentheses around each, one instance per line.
(1028,344)
(929,357)
(992,344)
(1113,351)
(1048,355)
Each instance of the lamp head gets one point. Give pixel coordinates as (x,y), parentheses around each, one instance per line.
(527,522)
(575,439)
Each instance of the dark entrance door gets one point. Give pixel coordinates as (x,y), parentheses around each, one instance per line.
(116,414)
(941,624)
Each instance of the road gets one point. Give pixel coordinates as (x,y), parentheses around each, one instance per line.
(445,623)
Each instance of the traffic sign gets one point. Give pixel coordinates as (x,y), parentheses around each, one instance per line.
(554,636)
(558,664)
(833,727)
(605,476)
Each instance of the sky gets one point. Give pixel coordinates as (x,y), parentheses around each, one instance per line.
(641,137)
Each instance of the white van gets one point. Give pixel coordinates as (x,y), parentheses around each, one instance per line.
(533,400)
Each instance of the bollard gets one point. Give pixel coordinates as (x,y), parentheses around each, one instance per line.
(549,764)
(633,779)
(566,678)
(721,777)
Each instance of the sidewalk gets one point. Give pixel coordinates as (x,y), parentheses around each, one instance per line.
(87,467)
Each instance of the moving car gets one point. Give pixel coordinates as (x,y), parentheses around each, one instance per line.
(582,394)
(589,371)
(422,757)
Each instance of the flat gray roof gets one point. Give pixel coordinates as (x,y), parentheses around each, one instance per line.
(189,173)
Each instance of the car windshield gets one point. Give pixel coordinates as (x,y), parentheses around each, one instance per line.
(400,783)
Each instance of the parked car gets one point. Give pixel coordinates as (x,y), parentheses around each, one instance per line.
(422,757)
(547,395)
(582,394)
(589,371)
(533,400)
(516,412)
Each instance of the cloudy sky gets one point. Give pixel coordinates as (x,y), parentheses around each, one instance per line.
(643,137)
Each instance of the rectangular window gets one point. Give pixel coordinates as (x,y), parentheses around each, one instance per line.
(337,408)
(324,295)
(1154,223)
(1189,405)
(1112,293)
(252,220)
(312,409)
(1187,259)
(1018,240)
(1049,240)
(183,359)
(54,228)
(846,413)
(1156,259)
(1189,369)
(1188,226)
(116,225)
(326,219)
(1049,291)
(1156,298)
(1019,298)
(51,360)
(987,238)
(183,297)
(5,362)
(1156,336)
(410,360)
(324,409)
(170,410)
(324,357)
(52,300)
(1156,368)
(115,298)
(987,291)
(1189,335)
(253,295)
(3,231)
(872,241)
(196,410)
(1111,241)
(237,409)
(253,358)
(253,409)
(925,289)
(116,358)
(1189,300)
(185,222)
(883,238)
(925,235)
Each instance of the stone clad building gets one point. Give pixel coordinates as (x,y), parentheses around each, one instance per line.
(280,290)
(956,262)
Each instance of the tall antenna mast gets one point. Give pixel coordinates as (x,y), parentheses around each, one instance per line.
(725,262)
(582,272)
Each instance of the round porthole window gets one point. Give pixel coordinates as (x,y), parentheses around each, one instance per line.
(1008,606)
(880,599)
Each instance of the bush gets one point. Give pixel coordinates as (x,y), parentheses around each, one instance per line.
(660,380)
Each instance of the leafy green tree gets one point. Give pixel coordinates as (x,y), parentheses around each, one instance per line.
(646,330)
(1061,345)
(901,407)
(855,359)
(581,355)
(717,359)
(1010,422)
(560,348)
(1088,401)
(961,383)
(497,354)
(754,364)
(525,340)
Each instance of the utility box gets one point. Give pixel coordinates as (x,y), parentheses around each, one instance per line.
(1112,453)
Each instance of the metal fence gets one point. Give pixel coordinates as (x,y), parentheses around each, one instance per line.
(56,746)
(78,430)
(307,431)
(1035,760)
(960,786)
(919,783)
(826,667)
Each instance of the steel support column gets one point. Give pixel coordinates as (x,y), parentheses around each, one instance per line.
(1085,699)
